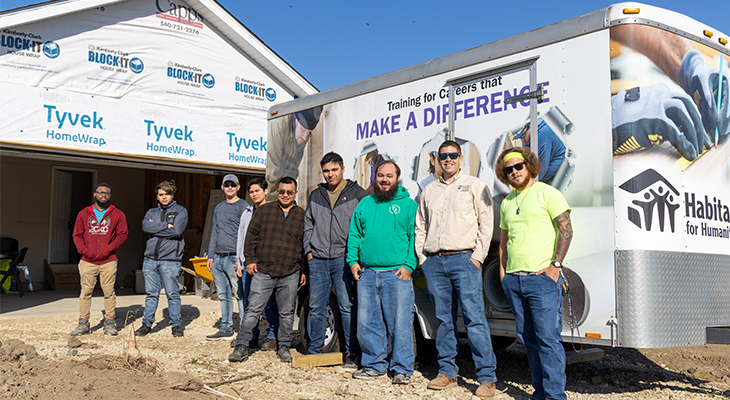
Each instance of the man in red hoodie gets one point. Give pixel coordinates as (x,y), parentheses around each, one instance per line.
(99,231)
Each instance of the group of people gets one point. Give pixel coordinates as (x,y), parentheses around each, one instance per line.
(365,248)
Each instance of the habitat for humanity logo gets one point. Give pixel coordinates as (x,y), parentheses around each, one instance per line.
(188,75)
(652,194)
(114,60)
(254,90)
(27,44)
(178,12)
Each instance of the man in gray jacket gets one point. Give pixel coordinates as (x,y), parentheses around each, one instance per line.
(326,227)
(165,225)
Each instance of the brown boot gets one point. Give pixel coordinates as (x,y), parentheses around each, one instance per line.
(485,390)
(442,382)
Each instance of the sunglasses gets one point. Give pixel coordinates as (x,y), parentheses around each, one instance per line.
(453,156)
(518,167)
(286,192)
(229,185)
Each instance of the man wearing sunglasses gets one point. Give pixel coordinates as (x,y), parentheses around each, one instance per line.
(453,232)
(535,236)
(273,252)
(99,231)
(222,254)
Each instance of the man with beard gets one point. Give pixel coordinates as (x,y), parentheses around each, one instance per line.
(381,255)
(273,252)
(453,233)
(99,231)
(536,233)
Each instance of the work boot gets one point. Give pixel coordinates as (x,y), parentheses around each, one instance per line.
(269,345)
(82,328)
(442,382)
(240,354)
(110,327)
(485,390)
(177,331)
(284,354)
(143,330)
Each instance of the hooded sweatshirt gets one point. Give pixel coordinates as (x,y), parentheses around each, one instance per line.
(382,234)
(165,244)
(98,241)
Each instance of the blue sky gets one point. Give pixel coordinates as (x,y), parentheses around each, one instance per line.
(335,42)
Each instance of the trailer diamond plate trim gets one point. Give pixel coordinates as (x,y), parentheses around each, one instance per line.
(667,299)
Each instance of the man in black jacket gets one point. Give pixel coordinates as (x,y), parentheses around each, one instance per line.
(165,225)
(326,227)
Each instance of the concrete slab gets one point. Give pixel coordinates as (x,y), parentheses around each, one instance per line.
(64,305)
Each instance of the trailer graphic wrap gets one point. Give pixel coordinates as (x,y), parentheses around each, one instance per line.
(406,123)
(152,69)
(671,153)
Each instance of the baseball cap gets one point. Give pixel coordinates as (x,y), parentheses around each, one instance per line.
(231,177)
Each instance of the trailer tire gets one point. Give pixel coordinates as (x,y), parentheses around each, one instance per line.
(332,338)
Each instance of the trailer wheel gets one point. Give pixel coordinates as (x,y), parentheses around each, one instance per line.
(493,292)
(332,342)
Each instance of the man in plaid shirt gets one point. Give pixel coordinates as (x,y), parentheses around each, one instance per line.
(273,252)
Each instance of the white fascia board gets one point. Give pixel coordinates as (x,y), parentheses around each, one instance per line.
(43,11)
(254,47)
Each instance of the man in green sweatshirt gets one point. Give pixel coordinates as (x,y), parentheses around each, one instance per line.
(381,254)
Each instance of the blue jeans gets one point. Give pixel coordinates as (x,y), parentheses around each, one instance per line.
(323,275)
(536,302)
(388,316)
(271,311)
(226,282)
(262,287)
(447,278)
(165,273)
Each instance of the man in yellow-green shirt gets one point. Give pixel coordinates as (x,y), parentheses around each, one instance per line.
(535,235)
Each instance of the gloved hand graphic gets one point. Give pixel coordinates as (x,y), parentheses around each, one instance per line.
(700,81)
(647,116)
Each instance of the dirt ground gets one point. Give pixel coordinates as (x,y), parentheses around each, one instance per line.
(39,360)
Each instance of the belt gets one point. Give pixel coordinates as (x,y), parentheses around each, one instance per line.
(523,273)
(225,254)
(445,253)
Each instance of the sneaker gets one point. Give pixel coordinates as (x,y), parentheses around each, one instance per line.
(83,327)
(269,345)
(442,382)
(143,330)
(219,336)
(177,331)
(110,327)
(349,365)
(240,354)
(365,373)
(401,379)
(485,390)
(284,354)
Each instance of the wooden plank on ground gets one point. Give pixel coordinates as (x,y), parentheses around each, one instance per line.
(593,354)
(317,360)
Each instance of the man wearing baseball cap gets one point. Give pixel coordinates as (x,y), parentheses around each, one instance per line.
(222,254)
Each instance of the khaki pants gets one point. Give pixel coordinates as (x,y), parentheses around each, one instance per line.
(107,274)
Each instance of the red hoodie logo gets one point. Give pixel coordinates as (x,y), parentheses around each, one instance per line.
(98,228)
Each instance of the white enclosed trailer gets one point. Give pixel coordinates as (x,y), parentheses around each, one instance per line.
(630,136)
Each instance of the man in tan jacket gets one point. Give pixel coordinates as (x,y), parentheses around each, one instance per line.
(453,231)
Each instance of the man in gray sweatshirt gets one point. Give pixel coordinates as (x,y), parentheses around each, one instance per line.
(222,253)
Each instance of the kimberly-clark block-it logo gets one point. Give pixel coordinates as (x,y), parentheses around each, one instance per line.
(653,196)
(51,49)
